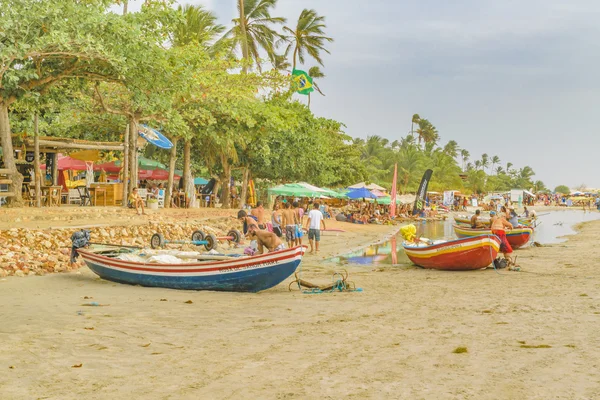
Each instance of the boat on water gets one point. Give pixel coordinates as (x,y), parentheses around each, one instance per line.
(517,237)
(206,272)
(454,255)
(466,220)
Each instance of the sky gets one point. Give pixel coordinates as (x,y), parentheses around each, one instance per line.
(514,78)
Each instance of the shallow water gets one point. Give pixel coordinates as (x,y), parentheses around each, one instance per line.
(551,227)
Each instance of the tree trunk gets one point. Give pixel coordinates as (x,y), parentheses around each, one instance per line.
(187,165)
(309,101)
(133,157)
(294,58)
(125,6)
(217,187)
(225,197)
(245,52)
(172,161)
(37,173)
(9,156)
(245,182)
(125,167)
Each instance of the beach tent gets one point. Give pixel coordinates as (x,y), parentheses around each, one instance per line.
(358,186)
(360,193)
(379,193)
(374,186)
(386,201)
(407,198)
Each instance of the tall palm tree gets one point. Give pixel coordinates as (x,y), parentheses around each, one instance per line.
(477,164)
(464,154)
(197,25)
(508,165)
(451,148)
(499,170)
(315,72)
(485,161)
(253,31)
(415,120)
(495,161)
(307,37)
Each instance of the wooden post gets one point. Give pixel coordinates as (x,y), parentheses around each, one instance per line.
(125,167)
(55,169)
(36,163)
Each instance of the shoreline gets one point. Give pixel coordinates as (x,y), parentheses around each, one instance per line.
(152,343)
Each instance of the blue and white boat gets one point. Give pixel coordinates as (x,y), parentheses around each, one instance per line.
(231,274)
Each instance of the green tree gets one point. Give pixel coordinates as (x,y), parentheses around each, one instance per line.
(485,161)
(451,149)
(464,155)
(316,73)
(495,161)
(414,120)
(564,189)
(307,37)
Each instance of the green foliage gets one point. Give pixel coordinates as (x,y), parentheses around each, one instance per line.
(307,37)
(564,189)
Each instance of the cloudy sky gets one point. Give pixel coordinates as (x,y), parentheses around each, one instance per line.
(514,78)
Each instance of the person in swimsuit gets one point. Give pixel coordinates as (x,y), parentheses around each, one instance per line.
(498,223)
(289,220)
(247,220)
(475,223)
(276,220)
(265,239)
(259,213)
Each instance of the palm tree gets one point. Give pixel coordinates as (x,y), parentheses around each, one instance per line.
(477,164)
(198,26)
(464,154)
(499,170)
(495,160)
(307,37)
(469,166)
(252,31)
(427,132)
(415,120)
(451,148)
(508,165)
(315,72)
(485,161)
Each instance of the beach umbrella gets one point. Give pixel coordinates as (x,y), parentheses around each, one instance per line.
(145,163)
(374,186)
(200,181)
(360,193)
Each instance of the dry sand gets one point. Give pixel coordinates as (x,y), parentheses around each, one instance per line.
(395,340)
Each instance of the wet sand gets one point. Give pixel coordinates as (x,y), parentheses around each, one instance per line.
(529,334)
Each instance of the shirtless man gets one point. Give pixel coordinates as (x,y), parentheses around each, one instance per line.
(289,220)
(265,239)
(498,223)
(475,223)
(259,213)
(247,221)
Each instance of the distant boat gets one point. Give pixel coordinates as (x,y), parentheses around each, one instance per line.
(455,255)
(517,237)
(466,219)
(219,273)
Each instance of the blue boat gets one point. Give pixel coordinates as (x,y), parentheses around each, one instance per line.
(233,274)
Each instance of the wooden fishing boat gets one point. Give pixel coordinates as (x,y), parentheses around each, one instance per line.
(221,273)
(455,255)
(517,237)
(466,220)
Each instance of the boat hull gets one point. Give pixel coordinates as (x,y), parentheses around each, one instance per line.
(517,237)
(456,255)
(245,274)
(462,219)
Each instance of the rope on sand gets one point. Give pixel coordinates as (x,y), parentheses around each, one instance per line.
(339,283)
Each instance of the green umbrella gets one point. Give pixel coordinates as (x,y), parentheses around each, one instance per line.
(146,163)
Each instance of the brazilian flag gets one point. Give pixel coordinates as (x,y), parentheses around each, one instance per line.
(302,82)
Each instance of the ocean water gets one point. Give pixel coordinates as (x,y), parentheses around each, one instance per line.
(551,227)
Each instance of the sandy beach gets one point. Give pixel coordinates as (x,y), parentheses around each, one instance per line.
(528,335)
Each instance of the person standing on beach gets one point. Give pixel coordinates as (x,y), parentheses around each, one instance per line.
(259,213)
(299,215)
(276,220)
(315,220)
(289,221)
(498,223)
(475,223)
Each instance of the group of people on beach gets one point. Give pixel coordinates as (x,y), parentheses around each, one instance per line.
(287,221)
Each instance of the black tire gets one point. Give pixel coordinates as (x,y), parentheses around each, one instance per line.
(197,236)
(236,235)
(211,242)
(157,241)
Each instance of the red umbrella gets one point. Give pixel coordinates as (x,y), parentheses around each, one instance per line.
(155,174)
(108,167)
(69,164)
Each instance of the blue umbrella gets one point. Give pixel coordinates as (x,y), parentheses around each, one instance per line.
(155,137)
(200,181)
(360,193)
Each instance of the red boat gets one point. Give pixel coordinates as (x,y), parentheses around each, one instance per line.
(455,255)
(517,237)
